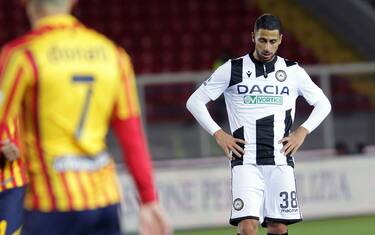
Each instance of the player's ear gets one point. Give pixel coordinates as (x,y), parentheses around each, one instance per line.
(281,38)
(72,4)
(253,37)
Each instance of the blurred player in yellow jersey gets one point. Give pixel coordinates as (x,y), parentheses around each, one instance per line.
(70,84)
(12,180)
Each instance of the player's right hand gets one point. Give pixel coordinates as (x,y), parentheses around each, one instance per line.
(9,150)
(152,220)
(229,144)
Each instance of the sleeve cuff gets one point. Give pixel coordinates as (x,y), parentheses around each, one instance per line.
(308,128)
(148,196)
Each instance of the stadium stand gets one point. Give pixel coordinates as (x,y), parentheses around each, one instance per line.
(328,48)
(175,36)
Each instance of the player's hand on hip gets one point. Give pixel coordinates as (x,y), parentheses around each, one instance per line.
(152,220)
(229,144)
(9,150)
(293,141)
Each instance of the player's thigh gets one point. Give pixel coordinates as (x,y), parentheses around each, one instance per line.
(102,221)
(247,188)
(281,202)
(11,210)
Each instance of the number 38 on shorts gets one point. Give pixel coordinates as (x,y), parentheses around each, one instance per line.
(264,192)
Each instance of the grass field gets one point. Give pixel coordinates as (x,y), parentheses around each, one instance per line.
(343,226)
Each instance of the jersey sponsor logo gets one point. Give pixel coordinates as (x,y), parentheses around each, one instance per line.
(81,163)
(263,99)
(238,204)
(268,89)
(280,75)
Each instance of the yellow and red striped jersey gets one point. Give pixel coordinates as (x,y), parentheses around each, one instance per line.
(70,83)
(12,173)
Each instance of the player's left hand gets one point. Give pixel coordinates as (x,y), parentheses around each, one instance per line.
(152,220)
(293,141)
(9,150)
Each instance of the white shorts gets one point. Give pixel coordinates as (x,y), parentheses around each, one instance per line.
(264,192)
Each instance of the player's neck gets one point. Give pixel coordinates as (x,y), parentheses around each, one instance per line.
(256,57)
(36,13)
(37,17)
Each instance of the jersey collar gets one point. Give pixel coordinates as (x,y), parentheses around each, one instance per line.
(57,21)
(263,69)
(255,61)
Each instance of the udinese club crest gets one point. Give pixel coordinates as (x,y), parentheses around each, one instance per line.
(280,75)
(238,204)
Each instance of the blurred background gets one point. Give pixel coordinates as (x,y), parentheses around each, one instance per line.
(175,46)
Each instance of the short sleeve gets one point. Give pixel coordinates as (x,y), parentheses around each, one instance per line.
(218,82)
(307,88)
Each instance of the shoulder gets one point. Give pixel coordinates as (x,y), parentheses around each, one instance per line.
(230,65)
(291,66)
(235,63)
(99,37)
(18,43)
(287,62)
(27,38)
(238,59)
(16,47)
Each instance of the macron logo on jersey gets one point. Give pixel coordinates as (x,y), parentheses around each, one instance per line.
(268,94)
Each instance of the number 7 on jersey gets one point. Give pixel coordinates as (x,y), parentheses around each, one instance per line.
(86,80)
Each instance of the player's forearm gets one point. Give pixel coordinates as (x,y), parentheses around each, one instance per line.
(136,155)
(196,104)
(321,109)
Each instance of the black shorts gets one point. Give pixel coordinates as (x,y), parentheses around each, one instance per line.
(11,210)
(102,221)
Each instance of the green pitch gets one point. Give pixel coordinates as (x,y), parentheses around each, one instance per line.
(343,226)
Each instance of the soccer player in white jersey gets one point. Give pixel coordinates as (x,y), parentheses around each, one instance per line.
(260,91)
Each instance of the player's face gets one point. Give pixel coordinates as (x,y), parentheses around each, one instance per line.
(266,43)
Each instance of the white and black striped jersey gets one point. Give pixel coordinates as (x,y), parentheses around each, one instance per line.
(260,100)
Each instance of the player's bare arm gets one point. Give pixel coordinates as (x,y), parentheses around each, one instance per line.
(9,150)
(293,141)
(228,143)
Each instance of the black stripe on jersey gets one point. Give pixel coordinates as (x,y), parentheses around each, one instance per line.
(289,62)
(259,70)
(264,141)
(236,72)
(239,134)
(288,125)
(270,66)
(263,69)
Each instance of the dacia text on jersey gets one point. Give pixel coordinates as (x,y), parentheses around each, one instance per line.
(269,94)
